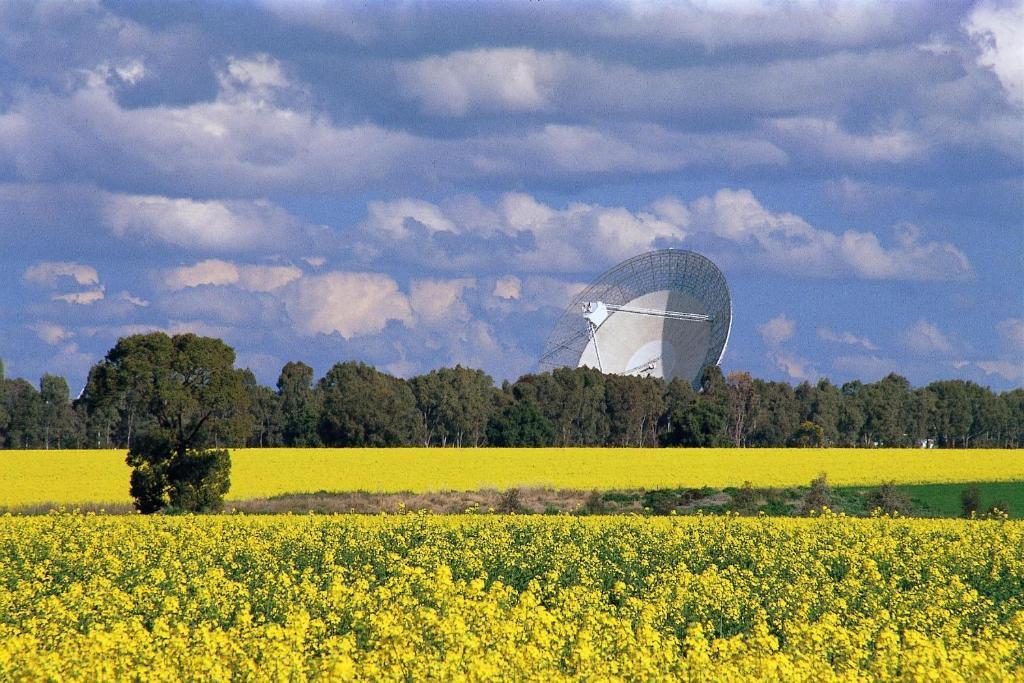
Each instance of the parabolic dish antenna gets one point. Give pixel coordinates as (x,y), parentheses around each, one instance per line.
(666,313)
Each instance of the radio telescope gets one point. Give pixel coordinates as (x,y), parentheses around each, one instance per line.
(666,313)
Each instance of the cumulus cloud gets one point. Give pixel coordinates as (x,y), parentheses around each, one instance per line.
(508,287)
(1009,370)
(438,301)
(925,338)
(828,335)
(254,278)
(787,243)
(867,368)
(796,367)
(500,79)
(351,304)
(50,273)
(518,230)
(83,298)
(998,32)
(1011,333)
(217,225)
(775,333)
(777,330)
(51,333)
(521,231)
(825,138)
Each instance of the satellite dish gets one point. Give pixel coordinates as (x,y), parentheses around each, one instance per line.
(666,313)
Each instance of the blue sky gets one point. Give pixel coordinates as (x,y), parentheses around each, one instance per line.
(423,184)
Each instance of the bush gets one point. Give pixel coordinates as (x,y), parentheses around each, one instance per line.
(970,500)
(161,478)
(818,496)
(595,504)
(889,499)
(510,502)
(745,498)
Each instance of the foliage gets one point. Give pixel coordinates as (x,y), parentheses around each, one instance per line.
(510,598)
(188,397)
(888,499)
(970,500)
(298,405)
(519,424)
(456,404)
(819,496)
(364,407)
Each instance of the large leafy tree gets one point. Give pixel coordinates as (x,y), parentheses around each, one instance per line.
(364,407)
(456,404)
(300,409)
(187,396)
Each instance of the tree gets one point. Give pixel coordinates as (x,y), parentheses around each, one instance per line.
(809,435)
(635,406)
(299,405)
(742,403)
(520,424)
(702,426)
(191,396)
(264,412)
(364,407)
(58,420)
(456,404)
(23,406)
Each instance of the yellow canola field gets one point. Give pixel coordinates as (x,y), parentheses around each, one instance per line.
(493,598)
(68,477)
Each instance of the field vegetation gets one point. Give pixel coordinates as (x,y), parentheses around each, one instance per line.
(417,597)
(74,477)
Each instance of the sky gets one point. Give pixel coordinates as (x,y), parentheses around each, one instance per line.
(416,185)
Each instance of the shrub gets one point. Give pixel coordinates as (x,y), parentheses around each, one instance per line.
(818,496)
(970,500)
(889,499)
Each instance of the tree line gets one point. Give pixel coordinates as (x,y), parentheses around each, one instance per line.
(354,404)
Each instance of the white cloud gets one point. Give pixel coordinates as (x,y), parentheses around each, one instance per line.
(540,237)
(438,301)
(315,261)
(776,331)
(132,299)
(508,287)
(49,273)
(795,367)
(865,368)
(209,272)
(1012,371)
(998,31)
(925,338)
(390,218)
(826,334)
(498,79)
(84,298)
(219,225)
(351,304)
(257,136)
(252,278)
(826,138)
(51,333)
(786,243)
(257,80)
(1011,332)
(518,230)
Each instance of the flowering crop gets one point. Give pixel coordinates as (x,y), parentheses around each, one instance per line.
(68,477)
(415,597)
